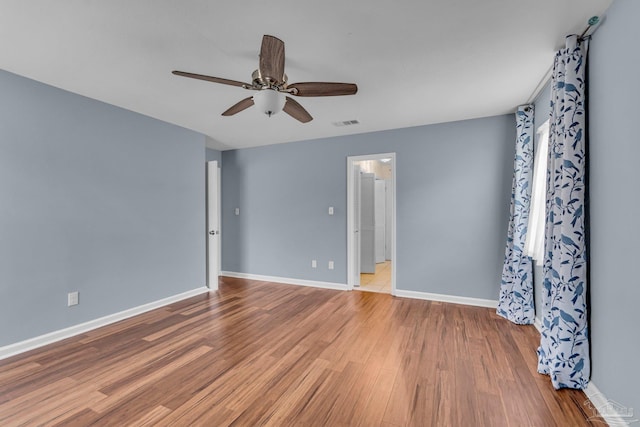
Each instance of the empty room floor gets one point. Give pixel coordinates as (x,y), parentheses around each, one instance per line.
(380,281)
(259,353)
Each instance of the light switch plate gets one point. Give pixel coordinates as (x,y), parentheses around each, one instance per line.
(72,298)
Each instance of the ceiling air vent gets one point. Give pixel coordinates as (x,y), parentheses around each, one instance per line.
(346,123)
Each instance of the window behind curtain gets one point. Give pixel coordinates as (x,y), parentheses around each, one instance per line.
(534,246)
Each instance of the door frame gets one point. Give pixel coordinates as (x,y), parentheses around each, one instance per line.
(213,165)
(352,255)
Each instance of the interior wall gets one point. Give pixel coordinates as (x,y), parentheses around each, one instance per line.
(213,155)
(453,190)
(95,199)
(614,149)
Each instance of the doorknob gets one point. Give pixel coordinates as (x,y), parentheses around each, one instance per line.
(214,232)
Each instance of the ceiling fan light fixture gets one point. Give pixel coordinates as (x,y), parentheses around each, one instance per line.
(270,82)
(269,101)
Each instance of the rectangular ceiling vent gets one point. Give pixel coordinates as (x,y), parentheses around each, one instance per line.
(346,123)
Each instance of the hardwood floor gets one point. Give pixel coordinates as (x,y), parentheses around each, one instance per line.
(261,353)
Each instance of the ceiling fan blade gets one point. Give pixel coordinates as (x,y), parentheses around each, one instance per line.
(323,89)
(210,79)
(296,111)
(236,108)
(272,59)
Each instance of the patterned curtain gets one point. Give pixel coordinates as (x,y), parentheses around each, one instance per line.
(564,346)
(516,288)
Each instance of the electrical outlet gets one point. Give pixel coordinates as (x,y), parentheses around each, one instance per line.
(72,298)
(330,265)
(314,263)
(330,210)
(237,211)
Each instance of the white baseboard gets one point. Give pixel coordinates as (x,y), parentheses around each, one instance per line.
(342,287)
(286,280)
(51,337)
(537,323)
(615,414)
(478,302)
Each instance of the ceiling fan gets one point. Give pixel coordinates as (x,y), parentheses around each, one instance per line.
(270,82)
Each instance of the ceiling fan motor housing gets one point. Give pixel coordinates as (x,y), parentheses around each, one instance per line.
(258,82)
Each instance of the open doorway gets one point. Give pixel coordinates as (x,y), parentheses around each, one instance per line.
(371,226)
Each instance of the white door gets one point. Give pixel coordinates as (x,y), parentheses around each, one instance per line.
(356,222)
(387,229)
(379,220)
(367,224)
(213,224)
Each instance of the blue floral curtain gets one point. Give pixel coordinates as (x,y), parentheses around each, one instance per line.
(564,346)
(516,288)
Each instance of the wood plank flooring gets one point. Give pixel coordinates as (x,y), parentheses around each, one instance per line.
(259,353)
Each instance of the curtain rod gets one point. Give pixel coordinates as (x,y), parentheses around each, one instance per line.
(593,21)
(541,84)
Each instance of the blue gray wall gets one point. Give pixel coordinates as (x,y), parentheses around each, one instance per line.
(453,192)
(211,155)
(615,206)
(96,199)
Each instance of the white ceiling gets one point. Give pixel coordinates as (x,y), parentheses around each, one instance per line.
(415,62)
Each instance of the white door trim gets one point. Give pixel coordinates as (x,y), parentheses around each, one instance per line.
(351,254)
(213,190)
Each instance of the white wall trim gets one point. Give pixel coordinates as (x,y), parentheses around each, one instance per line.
(606,408)
(286,280)
(51,337)
(538,324)
(351,255)
(448,298)
(343,287)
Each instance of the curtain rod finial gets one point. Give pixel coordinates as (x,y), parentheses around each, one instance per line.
(593,22)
